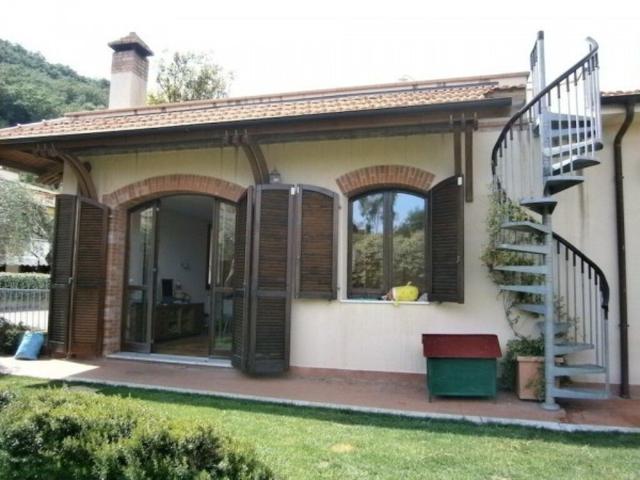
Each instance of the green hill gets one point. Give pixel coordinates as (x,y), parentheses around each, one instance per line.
(32,89)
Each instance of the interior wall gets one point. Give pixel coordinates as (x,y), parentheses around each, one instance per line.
(182,253)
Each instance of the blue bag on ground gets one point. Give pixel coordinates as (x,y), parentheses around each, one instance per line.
(30,346)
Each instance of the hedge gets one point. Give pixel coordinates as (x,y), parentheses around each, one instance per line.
(10,336)
(24,280)
(63,434)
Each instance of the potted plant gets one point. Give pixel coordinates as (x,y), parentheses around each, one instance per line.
(523,368)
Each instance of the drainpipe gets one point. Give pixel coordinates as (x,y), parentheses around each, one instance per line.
(622,255)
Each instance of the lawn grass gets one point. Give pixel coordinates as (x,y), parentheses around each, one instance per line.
(300,443)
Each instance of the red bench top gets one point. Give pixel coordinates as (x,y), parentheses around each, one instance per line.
(460,346)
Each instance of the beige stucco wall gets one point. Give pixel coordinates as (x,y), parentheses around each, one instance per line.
(386,337)
(586,216)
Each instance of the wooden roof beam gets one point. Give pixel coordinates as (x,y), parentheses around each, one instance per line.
(86,186)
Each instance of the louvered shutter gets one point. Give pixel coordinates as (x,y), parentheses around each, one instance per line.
(446,230)
(87,302)
(241,279)
(271,280)
(61,273)
(316,243)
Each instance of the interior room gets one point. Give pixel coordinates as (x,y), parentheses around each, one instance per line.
(180,267)
(181,313)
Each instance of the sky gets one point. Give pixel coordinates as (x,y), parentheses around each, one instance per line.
(278,46)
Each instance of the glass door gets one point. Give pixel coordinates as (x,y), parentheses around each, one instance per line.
(221,269)
(141,273)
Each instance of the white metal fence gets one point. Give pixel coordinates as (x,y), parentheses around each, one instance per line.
(29,307)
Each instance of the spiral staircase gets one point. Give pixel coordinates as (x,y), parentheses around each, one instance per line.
(542,150)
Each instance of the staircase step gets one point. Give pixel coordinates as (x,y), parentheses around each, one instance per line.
(576,162)
(558,327)
(528,227)
(533,289)
(564,348)
(537,308)
(576,148)
(557,183)
(539,205)
(578,369)
(560,120)
(565,132)
(531,269)
(526,248)
(580,393)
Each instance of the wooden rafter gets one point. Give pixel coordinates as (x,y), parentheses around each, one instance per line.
(52,176)
(25,161)
(466,126)
(252,151)
(85,183)
(256,158)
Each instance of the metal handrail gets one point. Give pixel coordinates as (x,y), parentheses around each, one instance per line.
(604,284)
(534,101)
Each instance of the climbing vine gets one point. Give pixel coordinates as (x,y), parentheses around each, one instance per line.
(492,256)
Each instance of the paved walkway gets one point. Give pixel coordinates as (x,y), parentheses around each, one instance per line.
(403,394)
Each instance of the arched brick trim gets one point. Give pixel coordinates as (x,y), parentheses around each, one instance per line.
(120,201)
(385,176)
(154,187)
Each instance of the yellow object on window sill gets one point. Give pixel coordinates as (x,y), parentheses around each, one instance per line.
(406,293)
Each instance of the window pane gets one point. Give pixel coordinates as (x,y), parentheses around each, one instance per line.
(140,246)
(367,244)
(226,241)
(140,278)
(408,263)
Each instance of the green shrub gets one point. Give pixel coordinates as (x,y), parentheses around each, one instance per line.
(518,347)
(10,335)
(24,280)
(57,433)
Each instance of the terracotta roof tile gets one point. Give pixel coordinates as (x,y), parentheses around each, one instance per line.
(621,93)
(255,108)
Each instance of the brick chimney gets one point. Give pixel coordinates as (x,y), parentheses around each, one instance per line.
(129,72)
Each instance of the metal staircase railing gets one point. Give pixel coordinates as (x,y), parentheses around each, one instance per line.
(541,151)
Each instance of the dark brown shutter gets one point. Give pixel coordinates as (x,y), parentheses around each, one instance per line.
(446,231)
(87,300)
(77,277)
(241,279)
(316,243)
(61,272)
(271,280)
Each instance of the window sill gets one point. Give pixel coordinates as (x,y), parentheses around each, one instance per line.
(382,302)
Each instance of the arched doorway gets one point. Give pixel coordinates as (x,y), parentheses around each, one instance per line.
(178,298)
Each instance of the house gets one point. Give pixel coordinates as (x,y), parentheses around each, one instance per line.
(268,229)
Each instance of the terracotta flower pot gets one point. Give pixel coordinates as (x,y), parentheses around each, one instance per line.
(530,382)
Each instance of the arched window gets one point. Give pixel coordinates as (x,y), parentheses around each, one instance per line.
(387,242)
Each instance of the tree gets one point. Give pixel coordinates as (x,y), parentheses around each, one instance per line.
(32,88)
(23,220)
(190,76)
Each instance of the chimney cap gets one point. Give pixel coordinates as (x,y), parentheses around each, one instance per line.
(131,42)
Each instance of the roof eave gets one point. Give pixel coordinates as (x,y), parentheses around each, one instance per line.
(488,103)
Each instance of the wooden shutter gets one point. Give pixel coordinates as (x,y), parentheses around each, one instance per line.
(446,231)
(241,279)
(87,300)
(316,243)
(77,277)
(61,273)
(271,280)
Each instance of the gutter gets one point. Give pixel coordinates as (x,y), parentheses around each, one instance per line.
(629,103)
